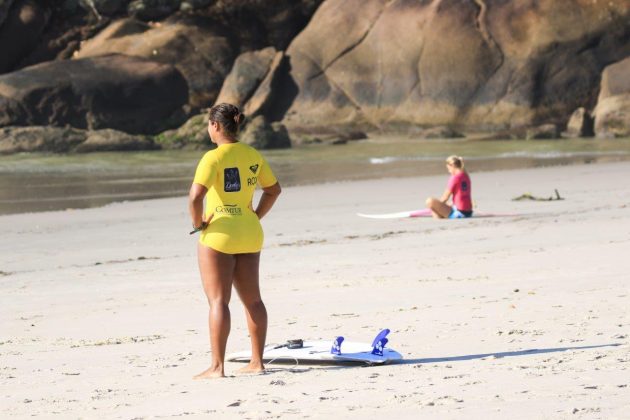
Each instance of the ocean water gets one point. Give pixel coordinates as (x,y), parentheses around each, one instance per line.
(42,182)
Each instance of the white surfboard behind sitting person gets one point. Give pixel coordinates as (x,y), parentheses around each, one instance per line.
(459,187)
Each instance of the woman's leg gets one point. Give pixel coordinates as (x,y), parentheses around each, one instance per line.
(247,286)
(438,209)
(217,272)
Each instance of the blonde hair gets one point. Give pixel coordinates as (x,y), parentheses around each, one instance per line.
(455,161)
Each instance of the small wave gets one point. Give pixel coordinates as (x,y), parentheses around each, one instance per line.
(508,155)
(556,154)
(392,159)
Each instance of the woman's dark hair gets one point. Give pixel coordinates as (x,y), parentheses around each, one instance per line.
(228,116)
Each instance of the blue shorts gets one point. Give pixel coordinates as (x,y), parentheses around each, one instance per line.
(459,214)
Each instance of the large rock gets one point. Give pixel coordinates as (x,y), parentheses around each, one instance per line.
(20,33)
(612,114)
(248,71)
(202,52)
(489,64)
(125,93)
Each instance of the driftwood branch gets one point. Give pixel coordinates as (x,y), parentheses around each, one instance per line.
(528,196)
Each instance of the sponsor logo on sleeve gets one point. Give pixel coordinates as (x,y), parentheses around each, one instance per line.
(232,180)
(253,168)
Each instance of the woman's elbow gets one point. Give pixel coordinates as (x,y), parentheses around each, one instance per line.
(274,190)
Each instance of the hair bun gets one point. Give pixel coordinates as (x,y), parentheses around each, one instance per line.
(238,118)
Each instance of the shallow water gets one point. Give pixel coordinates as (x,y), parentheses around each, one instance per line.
(40,182)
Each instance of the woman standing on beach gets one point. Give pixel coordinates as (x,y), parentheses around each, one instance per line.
(459,187)
(231,234)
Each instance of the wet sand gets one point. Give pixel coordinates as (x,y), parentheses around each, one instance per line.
(522,316)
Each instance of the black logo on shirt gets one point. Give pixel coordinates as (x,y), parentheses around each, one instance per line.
(464,186)
(232,180)
(231,209)
(253,168)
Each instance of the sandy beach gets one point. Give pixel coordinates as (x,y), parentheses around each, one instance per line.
(524,315)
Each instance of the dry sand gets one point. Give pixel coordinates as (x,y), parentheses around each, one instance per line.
(103,315)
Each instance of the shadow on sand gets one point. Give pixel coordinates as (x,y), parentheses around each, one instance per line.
(499,355)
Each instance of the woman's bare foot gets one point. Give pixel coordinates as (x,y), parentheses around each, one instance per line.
(252,369)
(211,373)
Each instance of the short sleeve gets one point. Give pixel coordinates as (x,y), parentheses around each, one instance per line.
(206,171)
(266,178)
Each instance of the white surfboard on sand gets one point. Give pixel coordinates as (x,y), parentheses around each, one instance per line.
(424,213)
(327,352)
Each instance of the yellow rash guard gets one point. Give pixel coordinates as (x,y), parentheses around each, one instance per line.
(231,173)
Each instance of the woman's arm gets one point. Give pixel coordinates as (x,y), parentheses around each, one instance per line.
(195,205)
(269,196)
(445,196)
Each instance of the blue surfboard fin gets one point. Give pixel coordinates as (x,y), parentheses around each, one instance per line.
(379,342)
(336,347)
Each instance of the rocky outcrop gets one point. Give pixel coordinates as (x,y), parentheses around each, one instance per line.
(476,65)
(39,139)
(201,51)
(262,135)
(612,114)
(20,32)
(125,93)
(69,140)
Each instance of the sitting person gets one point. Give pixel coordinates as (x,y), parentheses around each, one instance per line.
(459,187)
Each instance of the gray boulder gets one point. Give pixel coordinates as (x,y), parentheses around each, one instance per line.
(130,94)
